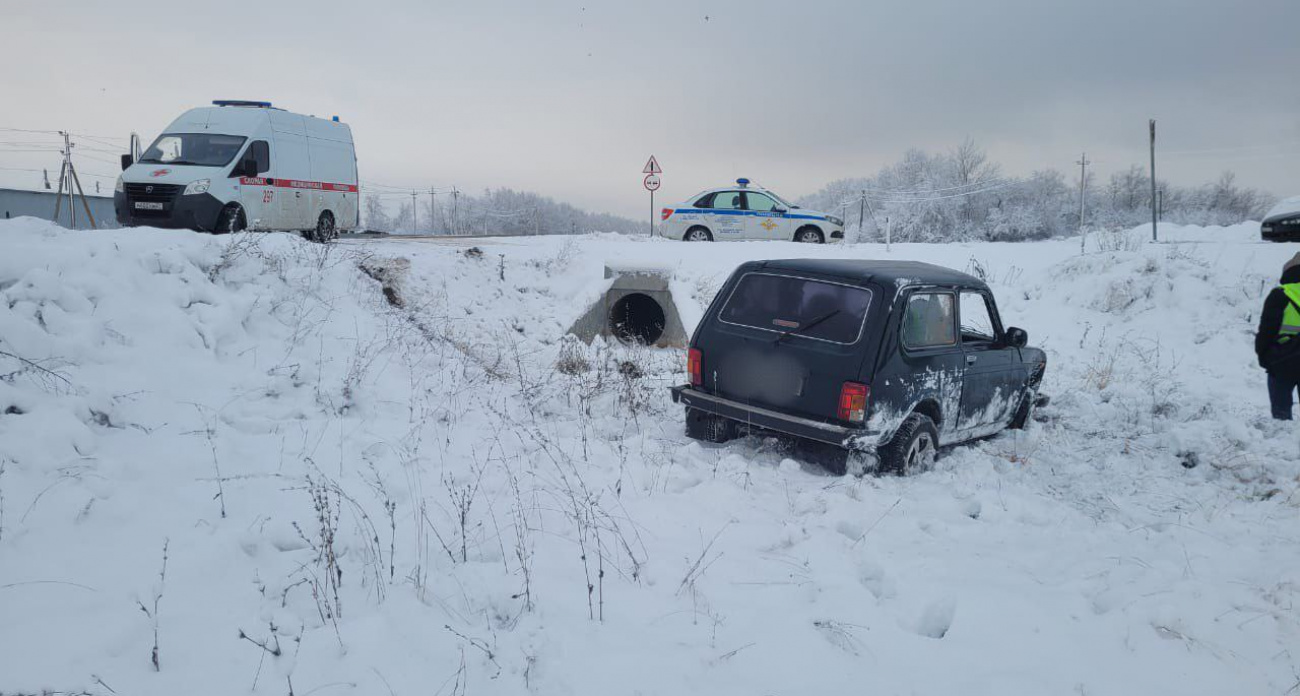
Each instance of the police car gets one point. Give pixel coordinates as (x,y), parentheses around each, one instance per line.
(746,212)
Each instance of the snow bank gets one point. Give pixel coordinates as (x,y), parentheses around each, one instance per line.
(381,467)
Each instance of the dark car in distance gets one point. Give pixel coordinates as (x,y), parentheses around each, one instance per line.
(1282,222)
(891,359)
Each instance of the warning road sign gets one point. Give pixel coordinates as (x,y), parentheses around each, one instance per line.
(652,167)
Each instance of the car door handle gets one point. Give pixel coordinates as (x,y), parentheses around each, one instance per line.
(970,359)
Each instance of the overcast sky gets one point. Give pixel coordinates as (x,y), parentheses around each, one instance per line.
(570,98)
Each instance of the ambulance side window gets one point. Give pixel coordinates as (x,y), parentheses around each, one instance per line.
(260,151)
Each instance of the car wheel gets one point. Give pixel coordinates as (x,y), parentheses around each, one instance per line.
(698,234)
(1024,413)
(809,235)
(708,427)
(913,449)
(325,231)
(230,220)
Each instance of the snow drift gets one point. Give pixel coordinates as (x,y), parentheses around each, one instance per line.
(252,464)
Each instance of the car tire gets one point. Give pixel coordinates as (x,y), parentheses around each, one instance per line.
(1024,413)
(698,234)
(325,231)
(708,427)
(230,220)
(809,235)
(913,448)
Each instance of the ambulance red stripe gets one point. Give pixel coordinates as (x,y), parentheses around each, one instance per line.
(296,184)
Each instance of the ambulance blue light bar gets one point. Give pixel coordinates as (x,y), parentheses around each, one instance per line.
(241,102)
(742,183)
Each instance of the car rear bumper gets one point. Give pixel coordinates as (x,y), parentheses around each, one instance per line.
(767,419)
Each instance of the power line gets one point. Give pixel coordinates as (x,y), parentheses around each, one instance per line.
(1238,148)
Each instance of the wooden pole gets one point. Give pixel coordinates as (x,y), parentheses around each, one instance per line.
(86,204)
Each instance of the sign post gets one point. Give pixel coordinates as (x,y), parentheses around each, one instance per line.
(652,183)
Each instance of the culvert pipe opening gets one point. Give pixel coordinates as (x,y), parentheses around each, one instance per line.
(637,318)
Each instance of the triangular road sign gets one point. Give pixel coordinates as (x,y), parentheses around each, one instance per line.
(652,167)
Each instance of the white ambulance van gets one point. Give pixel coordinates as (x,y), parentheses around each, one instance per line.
(244,165)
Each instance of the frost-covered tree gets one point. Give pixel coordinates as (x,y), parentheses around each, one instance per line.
(376,217)
(961,194)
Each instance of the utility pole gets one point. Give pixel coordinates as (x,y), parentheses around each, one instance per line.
(414,214)
(862,217)
(68,179)
(1083,190)
(455,210)
(1160,203)
(433,210)
(1154,212)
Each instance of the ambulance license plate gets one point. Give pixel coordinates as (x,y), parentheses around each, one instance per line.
(148,205)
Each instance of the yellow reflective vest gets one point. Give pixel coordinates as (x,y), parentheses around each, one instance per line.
(1290,316)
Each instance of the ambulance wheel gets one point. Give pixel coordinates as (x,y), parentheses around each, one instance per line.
(809,235)
(698,234)
(325,230)
(230,220)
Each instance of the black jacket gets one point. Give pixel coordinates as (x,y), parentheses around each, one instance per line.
(1270,320)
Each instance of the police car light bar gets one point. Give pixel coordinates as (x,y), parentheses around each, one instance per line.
(742,183)
(241,102)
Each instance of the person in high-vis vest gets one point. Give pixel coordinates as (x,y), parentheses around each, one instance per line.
(1277,343)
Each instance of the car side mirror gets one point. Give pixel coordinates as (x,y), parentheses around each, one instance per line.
(127,161)
(1017,338)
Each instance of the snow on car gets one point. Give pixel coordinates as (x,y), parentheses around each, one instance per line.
(1282,222)
(745,211)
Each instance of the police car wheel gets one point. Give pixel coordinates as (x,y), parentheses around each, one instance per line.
(697,234)
(809,235)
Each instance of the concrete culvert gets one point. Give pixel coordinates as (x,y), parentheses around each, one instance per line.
(635,306)
(637,318)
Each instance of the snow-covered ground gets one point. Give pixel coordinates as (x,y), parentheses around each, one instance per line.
(232,465)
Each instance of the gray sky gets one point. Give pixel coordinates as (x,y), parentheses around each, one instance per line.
(570,98)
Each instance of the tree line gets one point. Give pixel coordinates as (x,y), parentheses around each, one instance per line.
(963,194)
(499,211)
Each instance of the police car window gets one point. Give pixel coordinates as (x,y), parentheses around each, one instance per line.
(704,201)
(976,322)
(929,321)
(759,202)
(726,200)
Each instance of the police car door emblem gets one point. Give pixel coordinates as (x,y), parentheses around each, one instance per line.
(768,225)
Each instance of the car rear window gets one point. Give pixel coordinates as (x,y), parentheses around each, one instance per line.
(805,307)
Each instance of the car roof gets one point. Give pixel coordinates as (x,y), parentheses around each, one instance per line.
(753,188)
(888,273)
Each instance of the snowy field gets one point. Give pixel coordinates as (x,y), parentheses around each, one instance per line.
(249,464)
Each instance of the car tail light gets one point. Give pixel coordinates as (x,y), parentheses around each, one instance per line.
(853,402)
(695,366)
(666,213)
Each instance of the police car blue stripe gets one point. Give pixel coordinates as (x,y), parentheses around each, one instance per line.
(708,211)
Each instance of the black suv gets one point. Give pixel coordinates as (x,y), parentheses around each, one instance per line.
(888,358)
